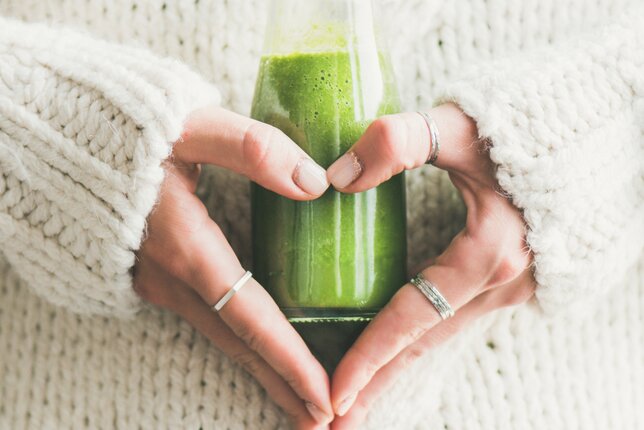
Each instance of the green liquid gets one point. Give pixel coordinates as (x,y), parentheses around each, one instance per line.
(342,256)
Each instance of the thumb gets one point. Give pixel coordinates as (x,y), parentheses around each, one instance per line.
(394,143)
(390,144)
(259,151)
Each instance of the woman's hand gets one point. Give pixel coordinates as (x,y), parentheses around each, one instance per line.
(486,266)
(186,265)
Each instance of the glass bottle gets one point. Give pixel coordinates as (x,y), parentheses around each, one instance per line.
(324,76)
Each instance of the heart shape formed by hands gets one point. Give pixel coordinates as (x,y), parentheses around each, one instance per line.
(186,264)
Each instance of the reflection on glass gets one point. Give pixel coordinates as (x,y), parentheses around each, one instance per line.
(323,78)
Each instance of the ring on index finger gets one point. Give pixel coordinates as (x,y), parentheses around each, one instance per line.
(434,296)
(233,290)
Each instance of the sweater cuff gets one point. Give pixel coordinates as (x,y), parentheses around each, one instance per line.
(566,126)
(84,128)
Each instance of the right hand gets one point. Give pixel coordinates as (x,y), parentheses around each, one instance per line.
(186,265)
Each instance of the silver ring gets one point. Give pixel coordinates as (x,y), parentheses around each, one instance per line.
(433,295)
(434,138)
(236,287)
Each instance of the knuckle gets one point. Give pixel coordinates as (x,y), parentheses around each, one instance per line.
(294,381)
(191,265)
(368,364)
(257,143)
(413,333)
(411,326)
(176,245)
(389,132)
(508,268)
(249,361)
(413,354)
(255,340)
(151,294)
(177,267)
(503,248)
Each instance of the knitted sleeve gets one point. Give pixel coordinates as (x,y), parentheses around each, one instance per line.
(84,128)
(566,126)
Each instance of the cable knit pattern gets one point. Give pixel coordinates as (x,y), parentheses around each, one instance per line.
(84,127)
(559,97)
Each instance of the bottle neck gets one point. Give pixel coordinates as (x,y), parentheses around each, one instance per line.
(320,25)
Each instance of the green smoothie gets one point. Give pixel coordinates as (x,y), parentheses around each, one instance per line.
(342,256)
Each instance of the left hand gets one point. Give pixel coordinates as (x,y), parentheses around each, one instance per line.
(186,265)
(486,267)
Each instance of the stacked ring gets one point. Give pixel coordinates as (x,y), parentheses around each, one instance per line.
(430,291)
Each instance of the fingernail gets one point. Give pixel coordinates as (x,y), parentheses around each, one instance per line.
(310,177)
(346,404)
(345,170)
(317,413)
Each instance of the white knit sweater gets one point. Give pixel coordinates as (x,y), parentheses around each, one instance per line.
(86,120)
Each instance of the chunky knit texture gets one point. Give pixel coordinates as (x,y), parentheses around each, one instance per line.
(84,125)
(568,139)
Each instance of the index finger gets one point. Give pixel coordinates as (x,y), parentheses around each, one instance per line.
(405,319)
(253,316)
(407,316)
(187,303)
(259,151)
